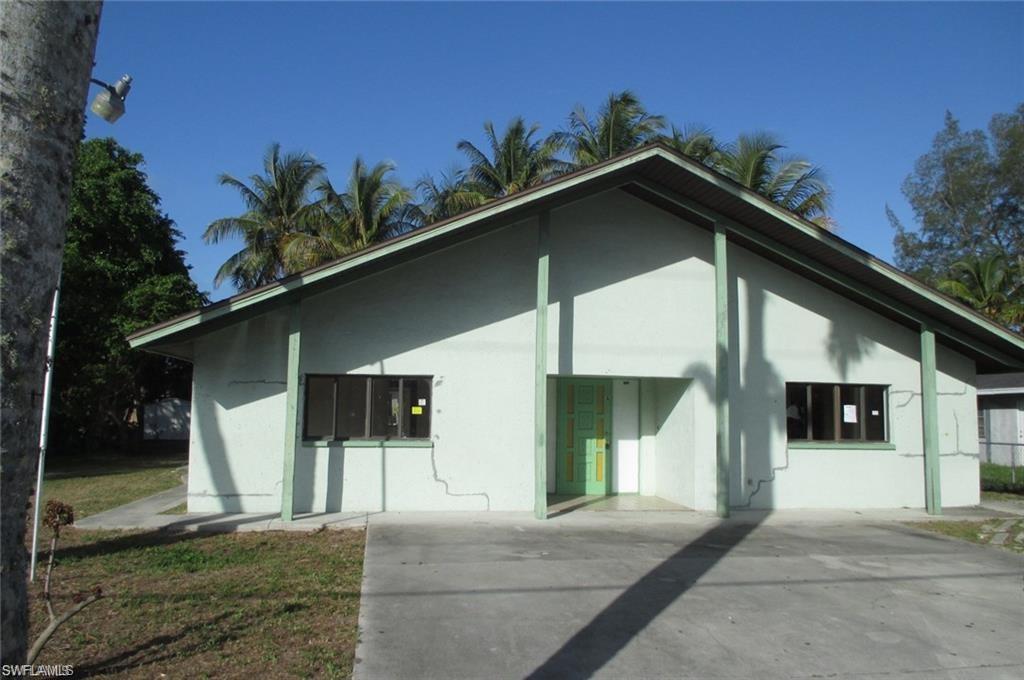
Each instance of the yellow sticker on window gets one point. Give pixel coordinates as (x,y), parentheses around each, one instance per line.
(417,410)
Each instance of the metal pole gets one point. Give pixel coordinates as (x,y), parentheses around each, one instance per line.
(44,428)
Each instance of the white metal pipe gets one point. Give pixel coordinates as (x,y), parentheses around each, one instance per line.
(44,428)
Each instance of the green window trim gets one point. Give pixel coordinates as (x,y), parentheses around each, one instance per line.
(841,445)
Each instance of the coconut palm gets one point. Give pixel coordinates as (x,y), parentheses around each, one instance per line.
(622,123)
(793,183)
(448,196)
(517,160)
(697,142)
(984,282)
(278,203)
(371,209)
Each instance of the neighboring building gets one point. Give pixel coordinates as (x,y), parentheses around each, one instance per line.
(1001,418)
(632,328)
(166,419)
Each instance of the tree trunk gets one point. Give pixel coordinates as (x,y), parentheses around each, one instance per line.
(44,74)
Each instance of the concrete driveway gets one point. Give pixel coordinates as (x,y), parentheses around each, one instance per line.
(614,597)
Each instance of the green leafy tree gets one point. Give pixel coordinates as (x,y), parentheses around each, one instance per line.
(622,123)
(966,193)
(755,161)
(517,160)
(372,208)
(987,284)
(278,203)
(122,272)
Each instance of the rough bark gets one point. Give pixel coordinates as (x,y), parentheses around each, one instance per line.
(45,62)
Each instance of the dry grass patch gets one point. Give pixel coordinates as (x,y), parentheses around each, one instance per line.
(1006,533)
(208,605)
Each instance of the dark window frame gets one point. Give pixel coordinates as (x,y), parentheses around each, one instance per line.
(837,419)
(368,378)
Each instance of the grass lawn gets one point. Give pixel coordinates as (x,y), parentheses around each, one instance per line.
(94,484)
(207,605)
(998,478)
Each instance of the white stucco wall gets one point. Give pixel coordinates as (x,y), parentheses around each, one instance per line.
(788,329)
(674,441)
(632,295)
(238,417)
(464,316)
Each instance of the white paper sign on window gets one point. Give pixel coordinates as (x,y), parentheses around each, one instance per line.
(849,413)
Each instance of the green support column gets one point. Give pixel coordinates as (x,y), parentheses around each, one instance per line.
(722,368)
(930,423)
(291,439)
(540,501)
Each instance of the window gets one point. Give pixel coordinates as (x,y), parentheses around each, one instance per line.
(829,413)
(367,407)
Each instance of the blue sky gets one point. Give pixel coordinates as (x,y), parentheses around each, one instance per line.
(860,89)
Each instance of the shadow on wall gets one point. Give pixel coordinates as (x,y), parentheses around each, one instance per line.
(758,390)
(475,284)
(251,367)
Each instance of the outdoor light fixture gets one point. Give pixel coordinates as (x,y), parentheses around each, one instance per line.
(109,104)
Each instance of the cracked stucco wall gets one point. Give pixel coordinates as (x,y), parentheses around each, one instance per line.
(792,330)
(238,417)
(631,295)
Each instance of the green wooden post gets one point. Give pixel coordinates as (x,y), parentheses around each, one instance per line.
(540,501)
(722,367)
(930,423)
(291,440)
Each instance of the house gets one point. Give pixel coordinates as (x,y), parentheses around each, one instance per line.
(1001,418)
(643,326)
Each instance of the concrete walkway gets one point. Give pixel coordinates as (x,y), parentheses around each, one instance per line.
(145,514)
(140,514)
(674,595)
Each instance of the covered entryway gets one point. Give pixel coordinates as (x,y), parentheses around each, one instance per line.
(621,443)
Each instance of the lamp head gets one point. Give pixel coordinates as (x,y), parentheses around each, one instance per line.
(109,102)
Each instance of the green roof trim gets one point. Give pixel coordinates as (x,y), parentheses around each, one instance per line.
(163,331)
(627,171)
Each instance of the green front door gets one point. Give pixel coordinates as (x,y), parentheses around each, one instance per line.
(583,459)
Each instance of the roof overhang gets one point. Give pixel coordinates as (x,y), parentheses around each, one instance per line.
(674,183)
(1000,391)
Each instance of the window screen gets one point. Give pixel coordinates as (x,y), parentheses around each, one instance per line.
(836,412)
(319,411)
(351,407)
(367,407)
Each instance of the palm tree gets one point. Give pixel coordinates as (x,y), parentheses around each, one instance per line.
(448,196)
(697,142)
(984,283)
(793,183)
(371,209)
(517,161)
(622,124)
(278,203)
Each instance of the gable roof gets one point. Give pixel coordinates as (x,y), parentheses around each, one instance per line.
(673,182)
